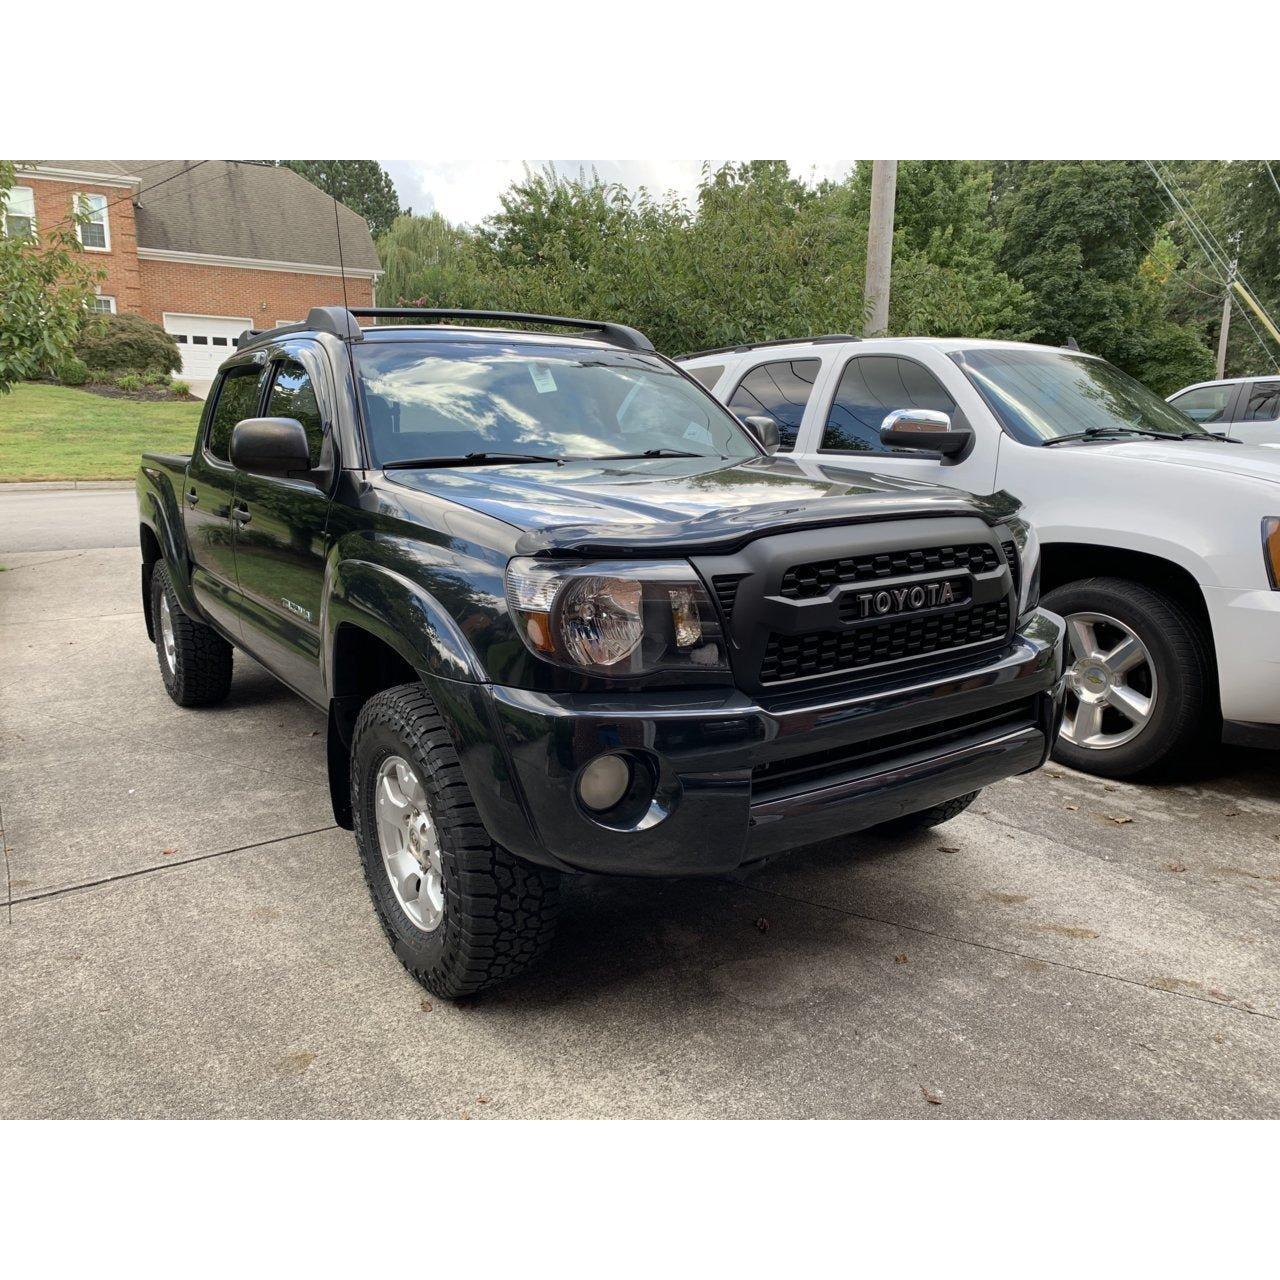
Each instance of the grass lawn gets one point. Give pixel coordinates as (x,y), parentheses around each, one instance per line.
(59,433)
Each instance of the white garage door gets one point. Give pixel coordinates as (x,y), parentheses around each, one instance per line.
(205,341)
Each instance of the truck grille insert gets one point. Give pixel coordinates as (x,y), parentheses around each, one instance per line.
(829,652)
(802,581)
(1010,550)
(726,588)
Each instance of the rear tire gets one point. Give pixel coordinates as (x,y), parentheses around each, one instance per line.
(460,911)
(926,818)
(1171,674)
(195,661)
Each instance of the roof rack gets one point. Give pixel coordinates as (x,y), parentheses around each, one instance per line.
(342,322)
(618,335)
(773,342)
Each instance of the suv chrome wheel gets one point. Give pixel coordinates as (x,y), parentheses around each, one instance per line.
(410,843)
(166,634)
(1111,683)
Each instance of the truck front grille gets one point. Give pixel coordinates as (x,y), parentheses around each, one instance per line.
(829,652)
(804,581)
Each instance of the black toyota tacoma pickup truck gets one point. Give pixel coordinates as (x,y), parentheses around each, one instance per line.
(565,613)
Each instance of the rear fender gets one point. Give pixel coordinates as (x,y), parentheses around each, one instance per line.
(158,513)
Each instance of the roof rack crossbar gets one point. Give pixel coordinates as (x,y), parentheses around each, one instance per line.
(618,335)
(773,342)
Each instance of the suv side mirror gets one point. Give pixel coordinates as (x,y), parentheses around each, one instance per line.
(270,446)
(926,429)
(766,432)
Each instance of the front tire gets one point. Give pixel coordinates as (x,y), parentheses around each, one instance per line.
(195,661)
(460,911)
(1140,680)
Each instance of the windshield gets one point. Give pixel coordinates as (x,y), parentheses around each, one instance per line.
(449,399)
(1045,395)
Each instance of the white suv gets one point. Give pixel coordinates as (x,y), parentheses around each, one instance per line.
(1161,542)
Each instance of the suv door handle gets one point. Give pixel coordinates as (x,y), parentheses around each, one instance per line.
(192,497)
(240,514)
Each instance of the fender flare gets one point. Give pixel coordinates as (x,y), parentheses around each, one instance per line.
(157,511)
(402,614)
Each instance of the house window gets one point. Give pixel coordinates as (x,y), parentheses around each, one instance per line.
(20,212)
(94,232)
(103,304)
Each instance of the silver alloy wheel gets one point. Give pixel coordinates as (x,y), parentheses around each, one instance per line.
(409,842)
(166,634)
(1111,671)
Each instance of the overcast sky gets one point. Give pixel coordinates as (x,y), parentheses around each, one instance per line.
(468,190)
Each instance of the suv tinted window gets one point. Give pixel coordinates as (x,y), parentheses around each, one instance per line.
(708,375)
(1205,404)
(1263,404)
(237,399)
(779,390)
(293,396)
(870,389)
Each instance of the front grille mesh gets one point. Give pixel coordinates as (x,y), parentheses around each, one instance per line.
(802,581)
(726,588)
(829,652)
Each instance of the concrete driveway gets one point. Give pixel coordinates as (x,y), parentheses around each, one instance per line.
(185,933)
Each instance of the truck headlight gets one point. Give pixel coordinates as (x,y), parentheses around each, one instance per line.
(1271,549)
(618,618)
(1028,545)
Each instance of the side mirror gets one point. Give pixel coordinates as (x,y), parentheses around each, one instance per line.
(766,432)
(926,429)
(270,446)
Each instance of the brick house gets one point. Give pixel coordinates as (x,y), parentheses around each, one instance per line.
(205,248)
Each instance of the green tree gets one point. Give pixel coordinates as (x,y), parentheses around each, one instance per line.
(45,284)
(362,185)
(1079,236)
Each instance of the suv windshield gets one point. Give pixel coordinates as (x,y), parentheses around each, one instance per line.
(1045,395)
(438,399)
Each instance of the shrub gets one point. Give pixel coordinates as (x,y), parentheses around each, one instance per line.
(101,375)
(128,344)
(129,382)
(180,388)
(73,372)
(156,378)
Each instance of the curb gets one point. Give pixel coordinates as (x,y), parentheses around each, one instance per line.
(31,486)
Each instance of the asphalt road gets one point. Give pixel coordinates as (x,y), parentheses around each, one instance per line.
(185,933)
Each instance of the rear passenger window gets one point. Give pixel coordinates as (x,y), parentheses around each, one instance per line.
(293,396)
(237,399)
(1264,402)
(779,390)
(871,388)
(708,375)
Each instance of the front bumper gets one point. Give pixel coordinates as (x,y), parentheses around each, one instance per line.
(1246,640)
(740,780)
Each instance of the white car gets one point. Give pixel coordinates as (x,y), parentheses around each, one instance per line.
(1246,408)
(1161,542)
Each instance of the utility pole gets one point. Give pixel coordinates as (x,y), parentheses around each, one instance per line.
(884,185)
(1226,326)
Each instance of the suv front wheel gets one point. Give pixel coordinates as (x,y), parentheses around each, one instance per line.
(1139,680)
(460,911)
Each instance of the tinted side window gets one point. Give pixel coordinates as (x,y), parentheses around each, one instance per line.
(779,390)
(1263,404)
(293,396)
(1205,404)
(708,375)
(872,387)
(237,399)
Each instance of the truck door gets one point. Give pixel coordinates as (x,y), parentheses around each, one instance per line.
(281,528)
(209,492)
(869,387)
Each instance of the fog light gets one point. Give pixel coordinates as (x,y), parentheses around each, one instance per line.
(604,782)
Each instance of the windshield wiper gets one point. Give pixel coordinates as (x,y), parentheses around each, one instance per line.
(658,453)
(470,460)
(1111,433)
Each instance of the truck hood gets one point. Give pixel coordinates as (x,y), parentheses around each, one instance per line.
(662,506)
(1250,461)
